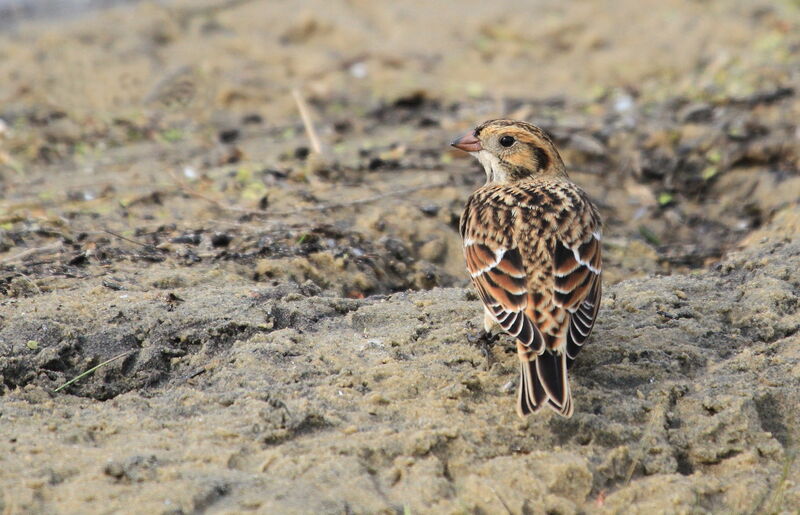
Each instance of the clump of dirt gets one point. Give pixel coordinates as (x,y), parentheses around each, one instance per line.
(285,330)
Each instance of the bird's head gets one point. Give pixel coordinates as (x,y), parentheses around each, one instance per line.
(511,151)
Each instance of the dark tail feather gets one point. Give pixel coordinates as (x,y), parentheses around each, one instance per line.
(530,393)
(543,381)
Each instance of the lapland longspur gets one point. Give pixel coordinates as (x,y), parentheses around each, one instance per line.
(532,246)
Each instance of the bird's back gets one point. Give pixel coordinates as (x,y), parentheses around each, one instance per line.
(537,217)
(533,252)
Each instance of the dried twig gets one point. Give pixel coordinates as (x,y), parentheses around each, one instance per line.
(112,233)
(265,226)
(305,114)
(508,510)
(186,14)
(321,207)
(31,252)
(220,205)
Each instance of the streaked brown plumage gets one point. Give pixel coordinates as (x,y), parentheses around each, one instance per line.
(532,246)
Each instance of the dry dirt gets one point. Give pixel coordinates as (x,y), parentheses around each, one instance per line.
(294,332)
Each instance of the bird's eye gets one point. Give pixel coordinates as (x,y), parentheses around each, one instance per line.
(507,141)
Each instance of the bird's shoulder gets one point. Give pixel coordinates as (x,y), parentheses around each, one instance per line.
(538,209)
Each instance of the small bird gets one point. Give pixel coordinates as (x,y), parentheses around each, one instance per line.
(532,246)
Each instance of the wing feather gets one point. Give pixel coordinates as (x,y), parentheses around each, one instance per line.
(500,278)
(578,288)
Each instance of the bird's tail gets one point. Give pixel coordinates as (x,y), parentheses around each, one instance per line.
(543,381)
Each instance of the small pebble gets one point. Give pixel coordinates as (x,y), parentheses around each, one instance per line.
(221,239)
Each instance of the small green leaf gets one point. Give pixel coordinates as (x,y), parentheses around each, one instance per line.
(665,198)
(82,149)
(709,172)
(714,156)
(254,191)
(244,174)
(475,89)
(598,92)
(32,344)
(172,135)
(771,41)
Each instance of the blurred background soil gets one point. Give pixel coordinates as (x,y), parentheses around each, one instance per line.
(294,331)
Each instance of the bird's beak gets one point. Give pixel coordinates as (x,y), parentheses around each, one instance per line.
(468,143)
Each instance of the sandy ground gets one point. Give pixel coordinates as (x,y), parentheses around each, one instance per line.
(294,332)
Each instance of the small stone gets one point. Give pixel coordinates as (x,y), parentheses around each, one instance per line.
(377,398)
(114,469)
(587,144)
(189,239)
(430,209)
(252,119)
(301,153)
(695,112)
(221,239)
(433,251)
(228,135)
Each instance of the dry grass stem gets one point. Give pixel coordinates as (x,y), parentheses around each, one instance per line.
(305,114)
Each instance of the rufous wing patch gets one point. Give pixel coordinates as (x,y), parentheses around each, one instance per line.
(573,283)
(582,321)
(479,257)
(499,276)
(578,289)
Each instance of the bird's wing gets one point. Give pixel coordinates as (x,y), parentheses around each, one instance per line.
(577,268)
(497,268)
